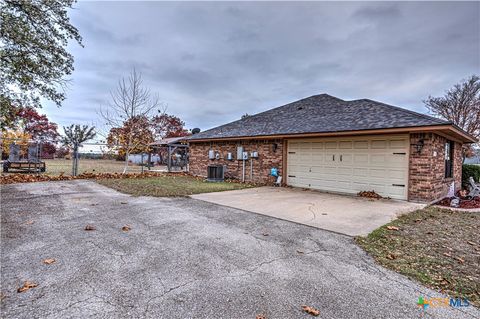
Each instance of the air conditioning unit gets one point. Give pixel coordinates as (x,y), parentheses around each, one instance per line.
(215,173)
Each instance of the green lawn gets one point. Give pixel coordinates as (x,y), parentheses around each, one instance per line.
(169,186)
(437,247)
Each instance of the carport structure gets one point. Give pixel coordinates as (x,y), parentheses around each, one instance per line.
(173,152)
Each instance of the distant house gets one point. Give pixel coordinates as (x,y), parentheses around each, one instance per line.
(326,143)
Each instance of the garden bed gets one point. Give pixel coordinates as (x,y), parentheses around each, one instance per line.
(464,203)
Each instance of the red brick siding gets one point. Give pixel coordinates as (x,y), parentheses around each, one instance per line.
(427,172)
(426,182)
(267,158)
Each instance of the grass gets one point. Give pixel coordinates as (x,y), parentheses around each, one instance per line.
(437,247)
(169,186)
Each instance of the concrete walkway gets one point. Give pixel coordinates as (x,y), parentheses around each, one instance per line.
(343,214)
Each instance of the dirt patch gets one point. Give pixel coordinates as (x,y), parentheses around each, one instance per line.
(438,247)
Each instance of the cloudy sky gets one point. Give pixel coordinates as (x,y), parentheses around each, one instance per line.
(211,62)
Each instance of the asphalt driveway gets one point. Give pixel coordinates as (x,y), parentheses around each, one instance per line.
(183,258)
(344,214)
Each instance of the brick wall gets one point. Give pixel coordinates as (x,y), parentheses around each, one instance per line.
(268,156)
(427,168)
(427,182)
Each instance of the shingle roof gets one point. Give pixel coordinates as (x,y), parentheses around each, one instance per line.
(169,140)
(321,114)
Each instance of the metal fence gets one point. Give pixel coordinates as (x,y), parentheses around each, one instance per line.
(27,156)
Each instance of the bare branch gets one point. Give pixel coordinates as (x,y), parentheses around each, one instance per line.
(460,105)
(130,107)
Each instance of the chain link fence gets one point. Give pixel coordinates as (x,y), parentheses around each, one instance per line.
(27,156)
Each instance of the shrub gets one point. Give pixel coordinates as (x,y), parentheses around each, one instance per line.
(470,170)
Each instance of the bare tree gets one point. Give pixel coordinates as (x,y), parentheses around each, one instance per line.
(460,105)
(75,135)
(129,101)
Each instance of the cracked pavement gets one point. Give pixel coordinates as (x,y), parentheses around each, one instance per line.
(183,258)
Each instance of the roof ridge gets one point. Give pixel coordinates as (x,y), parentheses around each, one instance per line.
(275,108)
(407,111)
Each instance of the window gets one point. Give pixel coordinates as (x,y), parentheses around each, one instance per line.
(449,159)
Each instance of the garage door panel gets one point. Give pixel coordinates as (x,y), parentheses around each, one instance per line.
(378,144)
(305,145)
(378,159)
(398,174)
(360,159)
(331,158)
(397,159)
(398,144)
(318,158)
(346,159)
(318,145)
(359,172)
(331,145)
(345,171)
(367,163)
(395,191)
(360,145)
(345,145)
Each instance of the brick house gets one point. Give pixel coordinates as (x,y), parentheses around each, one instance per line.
(325,143)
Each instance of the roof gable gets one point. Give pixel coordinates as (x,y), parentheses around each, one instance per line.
(321,114)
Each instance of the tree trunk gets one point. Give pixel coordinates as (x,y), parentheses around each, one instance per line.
(125,168)
(74,161)
(127,152)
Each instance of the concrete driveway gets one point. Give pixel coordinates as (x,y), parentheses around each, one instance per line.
(183,258)
(343,214)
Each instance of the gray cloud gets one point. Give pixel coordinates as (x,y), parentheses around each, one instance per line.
(213,62)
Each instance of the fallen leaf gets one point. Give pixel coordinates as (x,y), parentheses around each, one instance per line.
(48,261)
(2,296)
(310,310)
(447,254)
(90,227)
(460,260)
(369,194)
(471,243)
(126,228)
(391,256)
(29,222)
(300,251)
(27,285)
(265,234)
(418,220)
(392,228)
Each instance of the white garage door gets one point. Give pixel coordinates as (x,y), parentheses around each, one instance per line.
(350,165)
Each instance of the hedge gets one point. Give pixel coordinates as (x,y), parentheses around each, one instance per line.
(470,170)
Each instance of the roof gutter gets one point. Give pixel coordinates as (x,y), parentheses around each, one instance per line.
(466,138)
